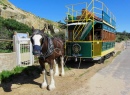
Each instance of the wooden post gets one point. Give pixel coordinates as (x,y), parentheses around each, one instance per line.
(14,41)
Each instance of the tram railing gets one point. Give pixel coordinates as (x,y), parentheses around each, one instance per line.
(73,13)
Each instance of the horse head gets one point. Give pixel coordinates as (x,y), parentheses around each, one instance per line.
(37,39)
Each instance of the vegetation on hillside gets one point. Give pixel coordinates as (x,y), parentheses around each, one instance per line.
(5,4)
(7,29)
(122,36)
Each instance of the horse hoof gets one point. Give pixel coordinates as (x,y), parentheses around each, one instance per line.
(62,75)
(51,87)
(43,85)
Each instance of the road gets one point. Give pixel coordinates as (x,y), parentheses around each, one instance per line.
(111,80)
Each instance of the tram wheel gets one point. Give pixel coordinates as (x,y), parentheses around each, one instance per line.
(101,60)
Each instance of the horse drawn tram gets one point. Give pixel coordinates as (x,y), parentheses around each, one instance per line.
(90,31)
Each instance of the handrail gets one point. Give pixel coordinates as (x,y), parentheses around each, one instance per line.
(83,25)
(103,8)
(6,40)
(103,5)
(75,4)
(95,11)
(86,18)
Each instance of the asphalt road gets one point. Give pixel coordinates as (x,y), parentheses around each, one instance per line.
(111,80)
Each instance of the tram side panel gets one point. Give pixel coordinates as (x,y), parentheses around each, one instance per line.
(92,49)
(79,49)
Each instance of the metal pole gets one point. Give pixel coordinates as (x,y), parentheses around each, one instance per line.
(93,27)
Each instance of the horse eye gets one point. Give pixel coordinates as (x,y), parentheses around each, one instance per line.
(41,40)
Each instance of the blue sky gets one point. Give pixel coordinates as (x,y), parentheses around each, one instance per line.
(55,9)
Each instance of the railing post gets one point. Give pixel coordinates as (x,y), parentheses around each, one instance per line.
(93,27)
(14,42)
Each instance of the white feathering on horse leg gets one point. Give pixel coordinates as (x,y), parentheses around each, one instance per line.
(44,84)
(62,66)
(56,69)
(52,84)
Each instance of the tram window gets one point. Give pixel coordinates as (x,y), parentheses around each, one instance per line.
(97,35)
(70,35)
(98,26)
(66,35)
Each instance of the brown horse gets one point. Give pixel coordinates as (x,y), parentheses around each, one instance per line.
(50,50)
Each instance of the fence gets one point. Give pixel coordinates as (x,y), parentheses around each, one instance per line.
(22,55)
(23,48)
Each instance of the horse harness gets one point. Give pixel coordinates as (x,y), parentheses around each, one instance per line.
(49,50)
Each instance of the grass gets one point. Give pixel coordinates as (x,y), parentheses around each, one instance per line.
(4,75)
(83,73)
(5,51)
(7,76)
(118,53)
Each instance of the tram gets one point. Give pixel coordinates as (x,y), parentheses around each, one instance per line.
(90,31)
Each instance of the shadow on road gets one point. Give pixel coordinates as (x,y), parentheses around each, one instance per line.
(27,76)
(78,64)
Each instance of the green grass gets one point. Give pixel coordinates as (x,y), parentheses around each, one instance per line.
(5,51)
(118,53)
(4,75)
(83,73)
(7,76)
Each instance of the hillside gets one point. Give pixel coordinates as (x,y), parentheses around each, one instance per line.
(8,10)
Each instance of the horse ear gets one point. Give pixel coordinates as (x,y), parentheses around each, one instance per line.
(44,28)
(32,28)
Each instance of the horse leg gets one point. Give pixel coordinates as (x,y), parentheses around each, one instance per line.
(45,83)
(62,65)
(52,83)
(56,69)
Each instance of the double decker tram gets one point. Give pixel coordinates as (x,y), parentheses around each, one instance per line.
(90,31)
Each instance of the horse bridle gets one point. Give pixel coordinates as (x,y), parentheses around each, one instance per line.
(43,37)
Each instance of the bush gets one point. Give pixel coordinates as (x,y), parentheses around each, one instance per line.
(5,7)
(7,29)
(12,24)
(4,75)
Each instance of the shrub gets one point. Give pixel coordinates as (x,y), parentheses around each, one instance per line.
(4,7)
(7,28)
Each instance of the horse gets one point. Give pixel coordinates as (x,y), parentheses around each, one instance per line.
(48,50)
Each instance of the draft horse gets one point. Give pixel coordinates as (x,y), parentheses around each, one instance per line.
(50,50)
